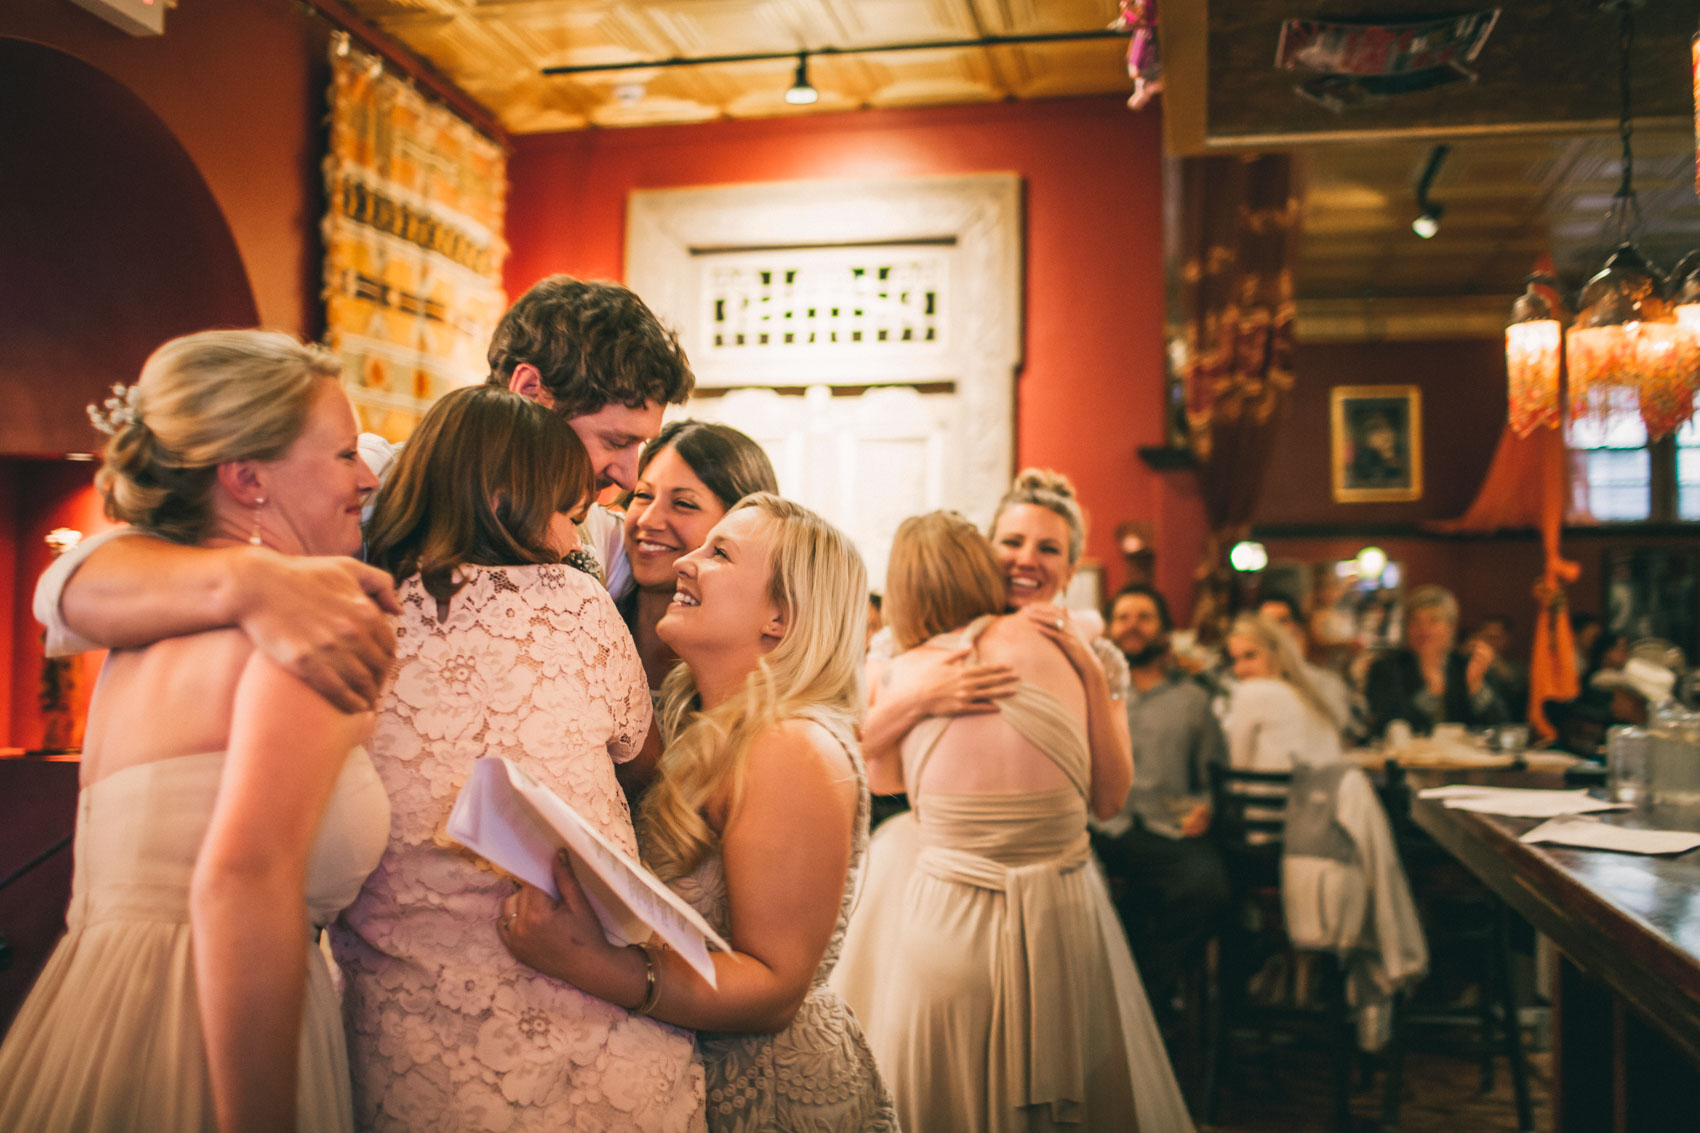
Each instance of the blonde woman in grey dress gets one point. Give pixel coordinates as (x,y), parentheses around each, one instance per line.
(759,818)
(1005,997)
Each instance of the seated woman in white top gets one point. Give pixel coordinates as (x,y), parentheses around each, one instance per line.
(1276,718)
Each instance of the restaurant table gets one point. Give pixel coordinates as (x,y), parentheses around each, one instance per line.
(1627,999)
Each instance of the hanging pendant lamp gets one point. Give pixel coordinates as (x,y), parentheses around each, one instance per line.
(1625,335)
(1533,358)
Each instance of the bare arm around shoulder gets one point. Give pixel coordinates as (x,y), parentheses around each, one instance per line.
(247,901)
(1106,722)
(786,850)
(952,688)
(320,618)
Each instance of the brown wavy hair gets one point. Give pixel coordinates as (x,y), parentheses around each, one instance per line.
(594,343)
(479,482)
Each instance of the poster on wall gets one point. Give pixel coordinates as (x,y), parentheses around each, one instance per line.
(415,202)
(1376,443)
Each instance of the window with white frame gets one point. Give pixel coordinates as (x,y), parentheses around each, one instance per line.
(1631,479)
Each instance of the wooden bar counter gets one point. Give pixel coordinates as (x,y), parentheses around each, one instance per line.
(1627,1001)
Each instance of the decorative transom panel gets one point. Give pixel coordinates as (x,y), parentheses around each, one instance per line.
(803,301)
(866,333)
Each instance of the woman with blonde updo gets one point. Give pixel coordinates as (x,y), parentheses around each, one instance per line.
(225,810)
(1038,534)
(759,818)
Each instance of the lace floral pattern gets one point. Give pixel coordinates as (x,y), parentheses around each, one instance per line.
(817,1075)
(446,1030)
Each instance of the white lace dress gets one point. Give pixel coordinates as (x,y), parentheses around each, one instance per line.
(817,1075)
(447,1031)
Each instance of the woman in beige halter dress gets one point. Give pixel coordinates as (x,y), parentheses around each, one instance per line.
(1006,998)
(226,811)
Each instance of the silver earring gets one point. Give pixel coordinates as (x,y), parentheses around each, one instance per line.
(259,506)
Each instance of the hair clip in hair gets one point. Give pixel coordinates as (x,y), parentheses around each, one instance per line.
(115,412)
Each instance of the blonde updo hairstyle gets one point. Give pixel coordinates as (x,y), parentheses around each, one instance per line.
(203,400)
(1051,490)
(818,581)
(942,575)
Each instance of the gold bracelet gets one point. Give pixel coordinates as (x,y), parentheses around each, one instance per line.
(651,989)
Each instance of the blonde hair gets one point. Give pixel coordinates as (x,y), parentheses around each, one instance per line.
(1284,659)
(204,400)
(1051,490)
(1431,596)
(818,581)
(943,574)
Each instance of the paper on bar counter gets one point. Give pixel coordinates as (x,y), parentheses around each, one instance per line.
(1518,802)
(1592,834)
(511,819)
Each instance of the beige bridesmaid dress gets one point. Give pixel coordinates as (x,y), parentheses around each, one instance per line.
(999,993)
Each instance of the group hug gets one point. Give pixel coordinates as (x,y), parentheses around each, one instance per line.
(314,636)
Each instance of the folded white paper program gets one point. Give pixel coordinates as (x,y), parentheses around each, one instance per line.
(509,818)
(1592,834)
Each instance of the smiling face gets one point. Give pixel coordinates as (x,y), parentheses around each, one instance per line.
(613,436)
(315,491)
(722,606)
(1135,624)
(671,513)
(1032,547)
(1250,659)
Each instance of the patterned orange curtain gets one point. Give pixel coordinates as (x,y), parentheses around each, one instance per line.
(1532,482)
(1238,227)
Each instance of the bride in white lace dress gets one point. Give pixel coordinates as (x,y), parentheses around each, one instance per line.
(502,651)
(759,819)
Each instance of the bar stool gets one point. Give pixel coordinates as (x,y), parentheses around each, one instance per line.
(1464,917)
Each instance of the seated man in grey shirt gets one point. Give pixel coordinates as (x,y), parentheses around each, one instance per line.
(1169,882)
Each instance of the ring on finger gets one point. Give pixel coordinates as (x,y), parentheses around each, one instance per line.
(1059,622)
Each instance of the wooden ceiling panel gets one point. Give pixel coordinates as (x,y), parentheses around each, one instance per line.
(1532,169)
(495,50)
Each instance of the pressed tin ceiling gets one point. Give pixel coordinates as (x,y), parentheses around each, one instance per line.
(1534,157)
(496,50)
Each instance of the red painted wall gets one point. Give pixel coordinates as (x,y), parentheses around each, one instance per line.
(1463,392)
(240,83)
(1092,388)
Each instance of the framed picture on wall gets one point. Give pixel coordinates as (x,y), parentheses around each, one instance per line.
(1376,435)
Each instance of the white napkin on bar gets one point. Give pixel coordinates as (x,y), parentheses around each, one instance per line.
(1592,834)
(1518,802)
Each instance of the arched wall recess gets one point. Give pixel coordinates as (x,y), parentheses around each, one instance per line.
(112,243)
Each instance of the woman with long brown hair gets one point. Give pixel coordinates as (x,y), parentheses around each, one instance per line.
(502,651)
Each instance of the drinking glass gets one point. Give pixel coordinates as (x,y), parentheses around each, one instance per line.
(1626,763)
